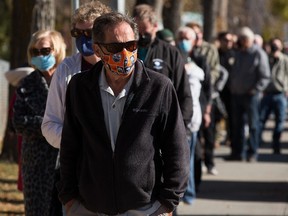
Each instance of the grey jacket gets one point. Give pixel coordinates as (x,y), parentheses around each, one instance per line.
(251,72)
(279,75)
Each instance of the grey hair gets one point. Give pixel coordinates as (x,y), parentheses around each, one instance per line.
(188,30)
(143,12)
(89,11)
(102,23)
(246,32)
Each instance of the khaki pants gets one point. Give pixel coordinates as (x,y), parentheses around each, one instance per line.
(77,209)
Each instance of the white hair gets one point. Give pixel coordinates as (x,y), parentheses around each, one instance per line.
(189,31)
(246,32)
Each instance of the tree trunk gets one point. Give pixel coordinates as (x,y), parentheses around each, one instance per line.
(222,13)
(172,14)
(43,16)
(209,18)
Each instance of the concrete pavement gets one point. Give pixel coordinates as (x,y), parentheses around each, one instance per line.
(242,188)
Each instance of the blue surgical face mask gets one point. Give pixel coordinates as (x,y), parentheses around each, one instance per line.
(185,45)
(43,63)
(84,45)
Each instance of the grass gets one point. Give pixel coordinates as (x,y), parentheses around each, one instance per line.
(11,199)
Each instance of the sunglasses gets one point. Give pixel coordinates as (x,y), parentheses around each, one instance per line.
(118,47)
(79,32)
(43,51)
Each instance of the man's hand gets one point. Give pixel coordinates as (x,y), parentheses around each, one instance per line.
(162,211)
(206,119)
(68,205)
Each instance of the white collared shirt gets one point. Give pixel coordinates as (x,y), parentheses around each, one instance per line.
(113,106)
(113,109)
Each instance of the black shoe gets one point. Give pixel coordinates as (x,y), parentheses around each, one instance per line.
(276,151)
(233,158)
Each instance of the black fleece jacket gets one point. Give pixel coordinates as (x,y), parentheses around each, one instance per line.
(151,157)
(167,60)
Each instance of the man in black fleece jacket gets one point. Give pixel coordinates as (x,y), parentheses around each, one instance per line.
(162,57)
(124,149)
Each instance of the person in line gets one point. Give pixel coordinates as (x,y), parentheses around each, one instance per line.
(162,57)
(166,35)
(185,41)
(258,39)
(14,77)
(227,60)
(45,51)
(205,102)
(124,148)
(204,48)
(208,130)
(82,23)
(250,75)
(274,97)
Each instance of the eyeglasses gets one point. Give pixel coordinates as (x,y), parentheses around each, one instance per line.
(79,32)
(118,47)
(43,51)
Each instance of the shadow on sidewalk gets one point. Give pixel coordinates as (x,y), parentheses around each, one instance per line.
(262,158)
(244,191)
(281,158)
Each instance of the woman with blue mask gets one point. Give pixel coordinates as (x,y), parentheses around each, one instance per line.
(45,51)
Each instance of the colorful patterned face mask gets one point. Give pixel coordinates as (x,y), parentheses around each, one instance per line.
(121,63)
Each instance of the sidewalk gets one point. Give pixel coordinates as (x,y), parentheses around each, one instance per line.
(242,188)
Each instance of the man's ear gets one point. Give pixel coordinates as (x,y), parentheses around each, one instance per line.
(97,50)
(155,29)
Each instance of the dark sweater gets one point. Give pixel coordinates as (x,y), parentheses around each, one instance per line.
(151,144)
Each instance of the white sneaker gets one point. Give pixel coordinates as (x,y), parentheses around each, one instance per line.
(213,171)
(204,169)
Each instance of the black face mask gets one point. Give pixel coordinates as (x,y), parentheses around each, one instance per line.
(274,48)
(145,40)
(239,44)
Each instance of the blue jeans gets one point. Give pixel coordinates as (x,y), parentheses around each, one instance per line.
(245,109)
(277,103)
(190,194)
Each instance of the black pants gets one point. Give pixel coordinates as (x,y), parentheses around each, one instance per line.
(56,209)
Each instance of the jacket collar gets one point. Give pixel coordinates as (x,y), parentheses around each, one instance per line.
(91,77)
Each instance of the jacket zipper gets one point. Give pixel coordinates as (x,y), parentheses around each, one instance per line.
(114,183)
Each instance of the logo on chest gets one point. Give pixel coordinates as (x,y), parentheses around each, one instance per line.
(158,64)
